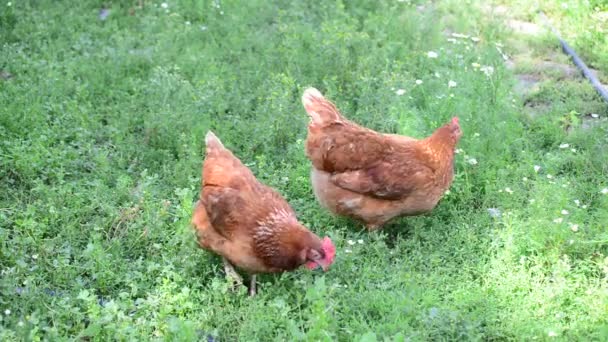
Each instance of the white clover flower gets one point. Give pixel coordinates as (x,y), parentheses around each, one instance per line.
(536,168)
(432,54)
(347,250)
(565,212)
(164,5)
(187,22)
(400,92)
(472,161)
(549,177)
(604,191)
(452,84)
(564,146)
(350,242)
(595,116)
(573,150)
(574,227)
(577,202)
(558,220)
(508,190)
(525,179)
(418,82)
(20,324)
(475,65)
(475,39)
(437,75)
(360,241)
(476,134)
(552,333)
(7,312)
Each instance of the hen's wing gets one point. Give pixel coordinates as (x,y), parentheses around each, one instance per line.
(385,180)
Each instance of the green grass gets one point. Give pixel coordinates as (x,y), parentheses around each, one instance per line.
(102,127)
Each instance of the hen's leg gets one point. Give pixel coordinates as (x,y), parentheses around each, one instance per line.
(231,273)
(373,227)
(252,289)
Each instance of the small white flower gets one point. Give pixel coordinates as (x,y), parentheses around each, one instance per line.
(552,333)
(494,212)
(476,134)
(400,92)
(451,95)
(595,116)
(418,82)
(536,168)
(577,202)
(458,150)
(360,241)
(187,22)
(20,324)
(7,312)
(564,145)
(532,200)
(447,192)
(34,256)
(574,227)
(508,190)
(525,179)
(347,250)
(475,65)
(584,206)
(565,212)
(549,177)
(350,242)
(488,70)
(573,150)
(203,28)
(460,35)
(437,75)
(452,84)
(475,39)
(604,191)
(9,4)
(164,5)
(472,161)
(558,220)
(432,54)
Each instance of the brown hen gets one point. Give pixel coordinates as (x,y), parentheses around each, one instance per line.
(249,224)
(374,177)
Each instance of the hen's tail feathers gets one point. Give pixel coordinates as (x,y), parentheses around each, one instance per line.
(320,110)
(213,143)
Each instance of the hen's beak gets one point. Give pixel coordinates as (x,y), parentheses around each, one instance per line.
(324,265)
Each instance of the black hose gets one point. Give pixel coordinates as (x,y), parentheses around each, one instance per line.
(578,61)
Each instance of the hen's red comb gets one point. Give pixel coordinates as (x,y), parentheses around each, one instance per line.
(455,120)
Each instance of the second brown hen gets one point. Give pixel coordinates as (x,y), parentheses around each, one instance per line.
(249,224)
(374,177)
